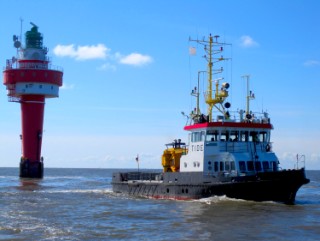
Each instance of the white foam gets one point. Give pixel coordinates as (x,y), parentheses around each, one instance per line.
(97,191)
(218,199)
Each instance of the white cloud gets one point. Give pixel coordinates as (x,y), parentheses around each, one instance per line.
(247,42)
(66,86)
(86,52)
(312,63)
(107,66)
(64,50)
(135,59)
(100,51)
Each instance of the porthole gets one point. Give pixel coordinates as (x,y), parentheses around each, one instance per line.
(186,190)
(167,190)
(182,190)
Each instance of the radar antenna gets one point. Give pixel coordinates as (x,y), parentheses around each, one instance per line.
(34,25)
(214,98)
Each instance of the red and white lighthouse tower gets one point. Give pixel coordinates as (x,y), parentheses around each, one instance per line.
(30,78)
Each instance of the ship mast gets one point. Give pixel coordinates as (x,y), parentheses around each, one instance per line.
(213,47)
(250,96)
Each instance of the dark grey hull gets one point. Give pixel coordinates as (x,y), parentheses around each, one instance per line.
(280,186)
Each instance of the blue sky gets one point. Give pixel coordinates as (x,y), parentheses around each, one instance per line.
(128,75)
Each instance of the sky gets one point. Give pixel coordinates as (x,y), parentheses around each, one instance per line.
(128,75)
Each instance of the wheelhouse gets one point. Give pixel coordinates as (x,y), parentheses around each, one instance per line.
(229,148)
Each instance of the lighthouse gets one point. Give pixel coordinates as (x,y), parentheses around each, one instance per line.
(30,79)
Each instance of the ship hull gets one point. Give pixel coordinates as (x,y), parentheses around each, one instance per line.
(280,186)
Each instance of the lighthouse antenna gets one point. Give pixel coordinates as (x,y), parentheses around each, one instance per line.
(21,21)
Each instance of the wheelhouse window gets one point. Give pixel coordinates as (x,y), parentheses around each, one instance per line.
(221,166)
(258,166)
(254,136)
(242,166)
(244,135)
(224,166)
(263,136)
(274,166)
(265,165)
(216,166)
(233,166)
(227,166)
(197,136)
(250,166)
(224,136)
(212,135)
(234,136)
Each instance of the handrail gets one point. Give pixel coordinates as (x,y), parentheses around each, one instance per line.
(300,158)
(258,117)
(31,65)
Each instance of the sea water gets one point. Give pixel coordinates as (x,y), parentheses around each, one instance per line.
(78,204)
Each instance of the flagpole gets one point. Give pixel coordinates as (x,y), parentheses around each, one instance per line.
(137,159)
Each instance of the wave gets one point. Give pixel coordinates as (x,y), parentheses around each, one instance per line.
(225,199)
(97,191)
(218,199)
(49,232)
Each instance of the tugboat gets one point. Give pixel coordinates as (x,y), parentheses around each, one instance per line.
(225,156)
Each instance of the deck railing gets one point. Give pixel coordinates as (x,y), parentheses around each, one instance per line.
(10,64)
(134,176)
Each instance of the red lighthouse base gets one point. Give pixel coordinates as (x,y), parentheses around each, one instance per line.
(32,113)
(31,169)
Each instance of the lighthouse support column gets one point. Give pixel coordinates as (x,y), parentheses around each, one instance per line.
(32,113)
